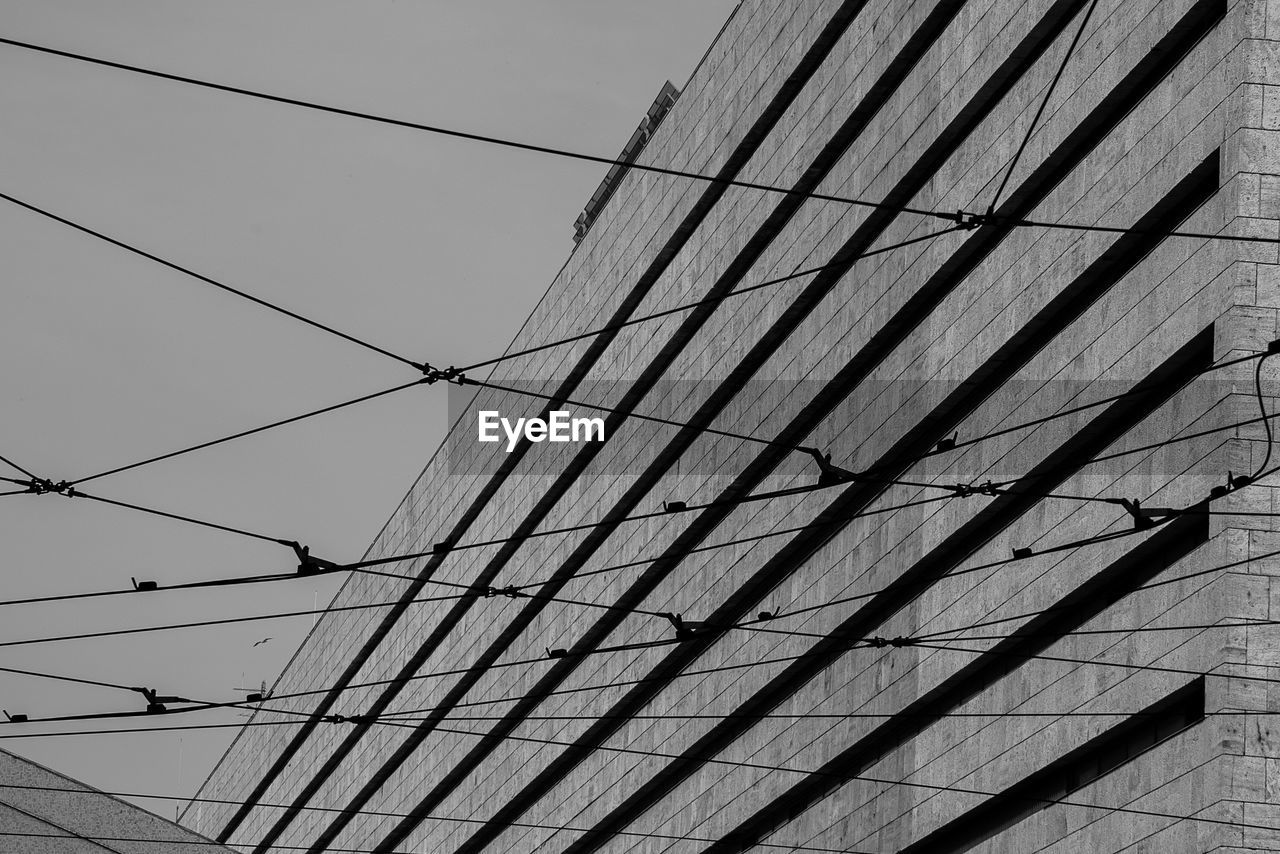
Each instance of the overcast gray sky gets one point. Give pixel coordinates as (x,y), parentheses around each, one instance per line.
(433,247)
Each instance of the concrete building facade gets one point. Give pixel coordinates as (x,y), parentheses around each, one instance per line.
(986,640)
(44,812)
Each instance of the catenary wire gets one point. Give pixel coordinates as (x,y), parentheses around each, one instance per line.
(450,132)
(1032,553)
(68,489)
(515,591)
(128,247)
(1072,545)
(813,772)
(471,593)
(960,217)
(243,433)
(869,473)
(706,301)
(512,591)
(252,724)
(380,814)
(942,633)
(98,839)
(67,833)
(458,380)
(810,772)
(850,645)
(205,706)
(713,760)
(385,392)
(1262,409)
(932,641)
(15,467)
(225,621)
(428,380)
(178,517)
(1264,419)
(759,766)
(639,517)
(1149,668)
(1044,102)
(36,674)
(1035,422)
(1149,585)
(538,583)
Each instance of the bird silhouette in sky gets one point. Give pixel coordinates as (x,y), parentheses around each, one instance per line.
(261,642)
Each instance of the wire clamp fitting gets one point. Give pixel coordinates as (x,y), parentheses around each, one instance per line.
(684,630)
(44,486)
(14,718)
(828,474)
(899,641)
(155,703)
(964,490)
(450,375)
(969,221)
(308,564)
(345,719)
(510,591)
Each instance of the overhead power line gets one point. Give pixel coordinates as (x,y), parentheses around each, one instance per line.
(936,642)
(941,634)
(187,271)
(672,715)
(809,772)
(60,678)
(813,772)
(628,564)
(11,464)
(787,659)
(243,433)
(380,814)
(455,375)
(450,132)
(883,781)
(445,548)
(223,621)
(963,218)
(712,300)
(68,488)
(671,508)
(245,704)
(520,591)
(1048,94)
(851,644)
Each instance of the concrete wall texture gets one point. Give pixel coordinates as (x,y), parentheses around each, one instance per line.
(1081,673)
(43,812)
